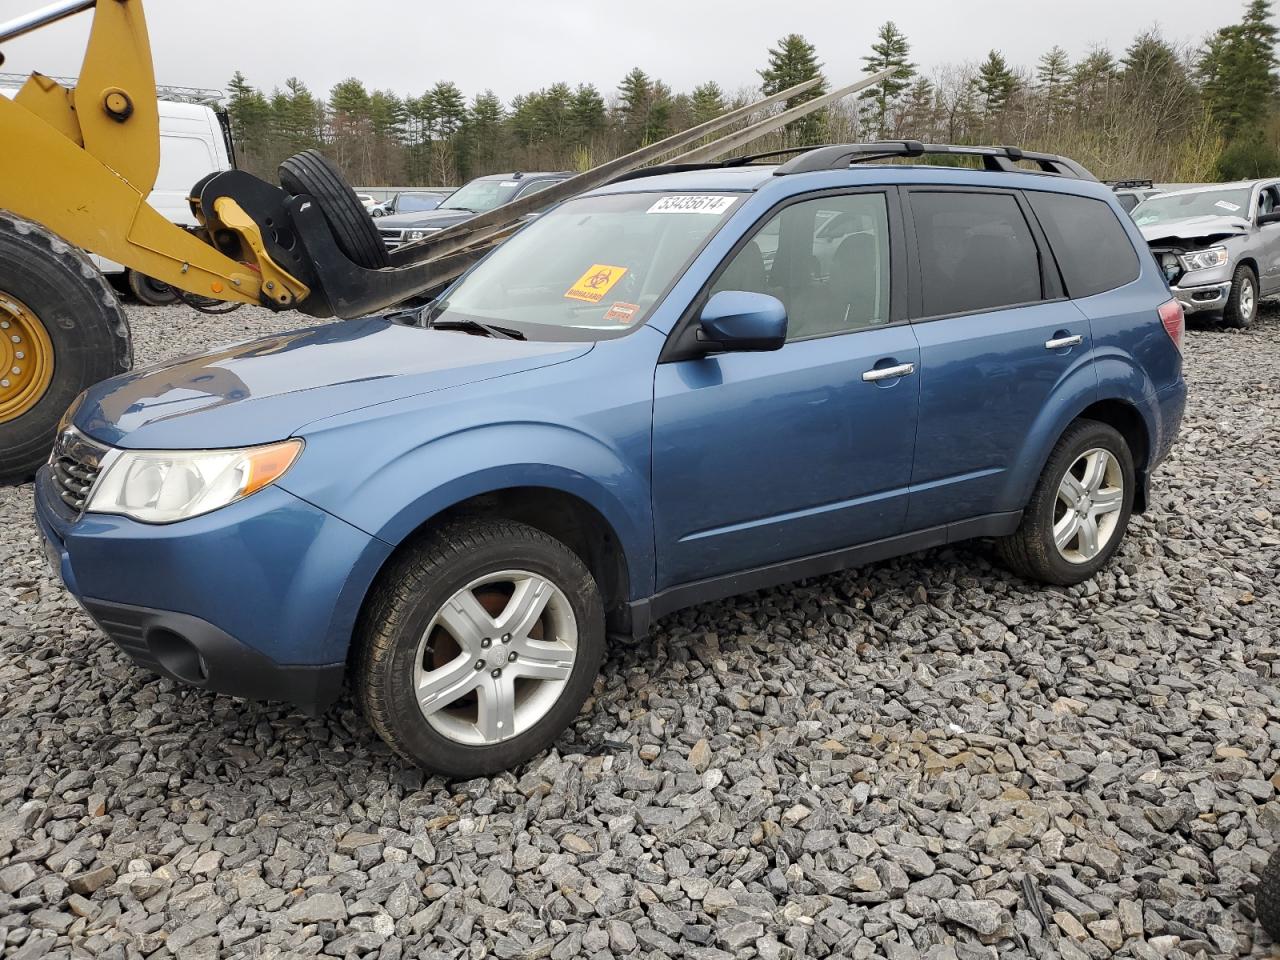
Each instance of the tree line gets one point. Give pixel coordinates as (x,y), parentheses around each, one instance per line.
(1156,109)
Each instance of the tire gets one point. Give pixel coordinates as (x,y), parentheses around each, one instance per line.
(1266,899)
(399,639)
(1031,551)
(311,173)
(148,290)
(53,287)
(1242,305)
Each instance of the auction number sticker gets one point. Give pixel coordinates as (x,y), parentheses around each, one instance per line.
(692,203)
(595,283)
(1227,205)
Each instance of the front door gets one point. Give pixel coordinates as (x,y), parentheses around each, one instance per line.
(761,458)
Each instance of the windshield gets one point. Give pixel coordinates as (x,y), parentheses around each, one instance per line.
(481,195)
(417,202)
(590,268)
(1203,203)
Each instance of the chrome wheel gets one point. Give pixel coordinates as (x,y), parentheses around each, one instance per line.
(1087,511)
(1248,300)
(495,658)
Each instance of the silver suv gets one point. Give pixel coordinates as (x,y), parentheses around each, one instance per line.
(1218,246)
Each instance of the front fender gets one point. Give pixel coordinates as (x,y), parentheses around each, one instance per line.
(392,499)
(1118,378)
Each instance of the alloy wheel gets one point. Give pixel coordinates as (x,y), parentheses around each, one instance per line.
(1248,300)
(495,658)
(1087,510)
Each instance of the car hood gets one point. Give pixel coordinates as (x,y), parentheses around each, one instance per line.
(265,390)
(425,218)
(1207,227)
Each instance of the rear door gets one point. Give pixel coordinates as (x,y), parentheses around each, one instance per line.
(763,458)
(996,338)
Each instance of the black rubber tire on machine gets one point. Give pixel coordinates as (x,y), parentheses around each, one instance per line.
(70,333)
(148,290)
(1266,899)
(313,174)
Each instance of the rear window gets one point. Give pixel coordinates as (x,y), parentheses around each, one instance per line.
(1091,247)
(976,252)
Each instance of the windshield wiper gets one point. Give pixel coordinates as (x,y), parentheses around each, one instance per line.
(463,209)
(502,333)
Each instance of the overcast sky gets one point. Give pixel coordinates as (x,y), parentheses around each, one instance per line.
(407,45)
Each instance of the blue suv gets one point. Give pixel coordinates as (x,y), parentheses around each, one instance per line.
(685,385)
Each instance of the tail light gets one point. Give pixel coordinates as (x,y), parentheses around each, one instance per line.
(1174,320)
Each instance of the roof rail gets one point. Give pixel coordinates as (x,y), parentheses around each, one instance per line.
(1130,184)
(658,170)
(994,159)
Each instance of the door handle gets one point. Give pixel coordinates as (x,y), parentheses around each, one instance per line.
(1060,343)
(889,373)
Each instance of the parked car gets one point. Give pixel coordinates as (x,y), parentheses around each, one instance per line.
(409,201)
(1218,245)
(625,409)
(478,196)
(1130,193)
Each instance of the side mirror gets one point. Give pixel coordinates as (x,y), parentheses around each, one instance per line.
(1266,218)
(735,320)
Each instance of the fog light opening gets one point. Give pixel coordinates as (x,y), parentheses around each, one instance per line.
(177,655)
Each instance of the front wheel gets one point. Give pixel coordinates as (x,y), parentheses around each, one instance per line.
(1079,510)
(1242,304)
(478,647)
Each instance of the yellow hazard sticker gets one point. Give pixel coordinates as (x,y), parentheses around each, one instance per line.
(595,283)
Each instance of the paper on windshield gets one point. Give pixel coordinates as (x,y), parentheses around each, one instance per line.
(1228,206)
(691,203)
(622,312)
(595,283)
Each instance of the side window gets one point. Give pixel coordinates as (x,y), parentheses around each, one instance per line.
(1092,249)
(827,260)
(976,252)
(537,187)
(1268,200)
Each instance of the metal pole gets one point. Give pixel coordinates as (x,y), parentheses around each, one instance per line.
(43,17)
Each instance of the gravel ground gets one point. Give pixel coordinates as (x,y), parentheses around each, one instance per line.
(924,758)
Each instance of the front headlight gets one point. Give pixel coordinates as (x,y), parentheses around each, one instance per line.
(1204,259)
(161,486)
(411,235)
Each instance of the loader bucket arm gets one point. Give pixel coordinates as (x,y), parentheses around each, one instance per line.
(82,161)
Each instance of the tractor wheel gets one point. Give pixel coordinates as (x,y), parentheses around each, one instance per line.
(313,174)
(61,330)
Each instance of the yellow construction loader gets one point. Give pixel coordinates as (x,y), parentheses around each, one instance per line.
(77,164)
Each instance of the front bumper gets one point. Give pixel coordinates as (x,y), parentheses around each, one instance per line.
(1207,298)
(256,600)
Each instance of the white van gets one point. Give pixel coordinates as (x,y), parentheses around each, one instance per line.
(194,142)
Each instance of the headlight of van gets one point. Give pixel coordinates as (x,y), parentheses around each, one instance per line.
(1204,259)
(161,486)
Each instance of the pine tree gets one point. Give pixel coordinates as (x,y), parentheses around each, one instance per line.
(586,115)
(659,120)
(890,51)
(1092,79)
(708,102)
(793,61)
(919,110)
(635,95)
(1237,71)
(251,123)
(996,83)
(1053,74)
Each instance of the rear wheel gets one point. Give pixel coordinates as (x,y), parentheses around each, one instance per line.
(313,174)
(478,647)
(149,290)
(1079,510)
(61,330)
(1242,305)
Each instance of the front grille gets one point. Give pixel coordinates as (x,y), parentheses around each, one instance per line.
(391,237)
(75,465)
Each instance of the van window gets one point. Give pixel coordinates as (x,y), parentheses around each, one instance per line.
(827,260)
(183,161)
(976,252)
(1091,247)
